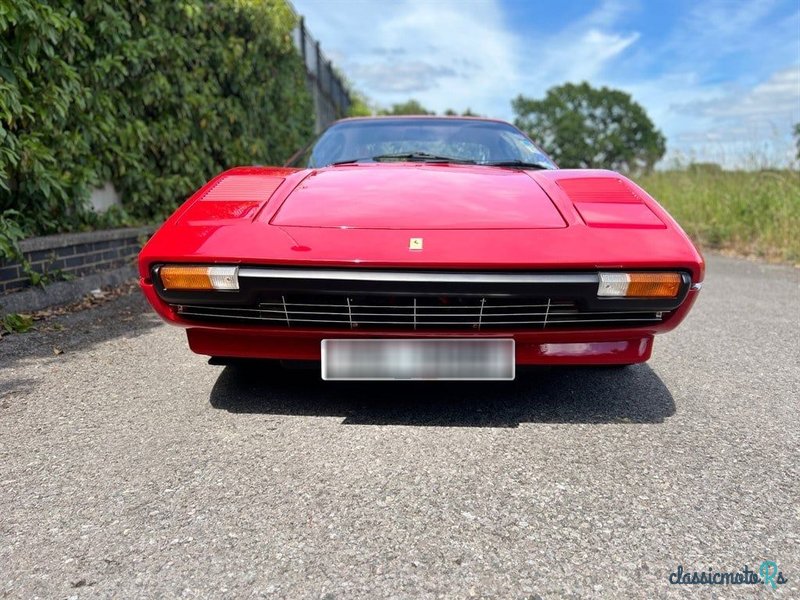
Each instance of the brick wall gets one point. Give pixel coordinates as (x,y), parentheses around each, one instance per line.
(75,254)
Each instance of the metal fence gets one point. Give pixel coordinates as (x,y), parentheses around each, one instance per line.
(331,100)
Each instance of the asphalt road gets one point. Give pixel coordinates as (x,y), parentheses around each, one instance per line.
(131,468)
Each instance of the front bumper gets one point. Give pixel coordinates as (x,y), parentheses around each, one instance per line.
(589,345)
(531,349)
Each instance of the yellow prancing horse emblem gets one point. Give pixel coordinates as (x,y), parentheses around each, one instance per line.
(415,244)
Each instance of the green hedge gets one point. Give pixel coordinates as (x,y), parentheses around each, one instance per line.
(154,95)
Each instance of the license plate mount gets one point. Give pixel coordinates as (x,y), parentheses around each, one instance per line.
(448,359)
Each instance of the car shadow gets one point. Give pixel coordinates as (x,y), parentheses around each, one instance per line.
(539,395)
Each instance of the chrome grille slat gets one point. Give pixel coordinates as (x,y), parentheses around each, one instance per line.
(546,314)
(389,322)
(229,316)
(281,311)
(280,304)
(286,312)
(350,313)
(636,320)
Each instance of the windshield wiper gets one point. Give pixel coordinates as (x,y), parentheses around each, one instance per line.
(348,161)
(412,156)
(424,157)
(517,163)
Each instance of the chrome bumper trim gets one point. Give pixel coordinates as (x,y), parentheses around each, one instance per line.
(417,276)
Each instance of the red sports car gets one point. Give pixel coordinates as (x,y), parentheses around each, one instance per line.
(422,248)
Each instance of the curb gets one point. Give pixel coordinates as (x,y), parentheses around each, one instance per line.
(63,292)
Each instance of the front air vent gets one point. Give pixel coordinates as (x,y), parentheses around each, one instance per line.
(416,313)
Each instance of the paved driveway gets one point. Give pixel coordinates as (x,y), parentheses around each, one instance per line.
(130,468)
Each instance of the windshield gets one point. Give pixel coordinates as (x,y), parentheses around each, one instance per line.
(423,140)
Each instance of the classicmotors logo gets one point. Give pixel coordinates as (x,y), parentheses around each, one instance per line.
(767,574)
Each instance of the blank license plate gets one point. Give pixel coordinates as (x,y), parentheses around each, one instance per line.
(465,359)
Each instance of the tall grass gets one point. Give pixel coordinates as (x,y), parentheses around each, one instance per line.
(753,213)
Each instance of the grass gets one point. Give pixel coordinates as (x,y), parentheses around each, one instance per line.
(752,213)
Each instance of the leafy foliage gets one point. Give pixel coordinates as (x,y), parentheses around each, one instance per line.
(409,107)
(585,127)
(11,233)
(467,113)
(153,96)
(797,138)
(359,105)
(16,323)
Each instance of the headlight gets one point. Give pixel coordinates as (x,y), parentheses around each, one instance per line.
(639,285)
(188,278)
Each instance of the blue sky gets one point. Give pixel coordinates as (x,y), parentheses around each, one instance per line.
(721,79)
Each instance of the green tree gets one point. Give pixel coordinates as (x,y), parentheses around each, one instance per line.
(797,138)
(359,105)
(410,107)
(467,113)
(585,127)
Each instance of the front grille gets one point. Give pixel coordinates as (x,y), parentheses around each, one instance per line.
(459,312)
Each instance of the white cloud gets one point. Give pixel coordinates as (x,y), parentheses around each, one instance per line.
(750,126)
(775,100)
(582,57)
(407,77)
(712,91)
(446,54)
(721,27)
(457,54)
(724,122)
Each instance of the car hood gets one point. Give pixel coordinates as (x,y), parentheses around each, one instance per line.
(269,216)
(416,196)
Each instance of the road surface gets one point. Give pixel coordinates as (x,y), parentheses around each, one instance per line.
(131,468)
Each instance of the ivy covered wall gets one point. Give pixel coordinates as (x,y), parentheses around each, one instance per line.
(155,96)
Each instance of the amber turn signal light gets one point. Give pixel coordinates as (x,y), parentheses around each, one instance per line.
(639,285)
(192,278)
